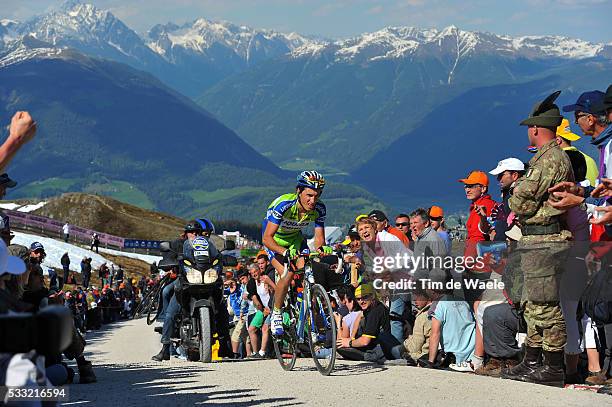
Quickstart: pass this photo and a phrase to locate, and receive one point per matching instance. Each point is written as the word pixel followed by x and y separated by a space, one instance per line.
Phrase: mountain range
pixel 363 110
pixel 107 128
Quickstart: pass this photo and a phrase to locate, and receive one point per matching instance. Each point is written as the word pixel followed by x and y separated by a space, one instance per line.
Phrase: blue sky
pixel 586 19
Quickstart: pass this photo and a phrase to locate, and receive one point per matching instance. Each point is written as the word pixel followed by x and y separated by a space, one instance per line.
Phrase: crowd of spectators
pixel 500 330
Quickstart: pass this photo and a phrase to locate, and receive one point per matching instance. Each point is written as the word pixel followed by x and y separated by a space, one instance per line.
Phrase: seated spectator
pixel 452 325
pixel 500 325
pixel 348 323
pixel 417 343
pixel 374 330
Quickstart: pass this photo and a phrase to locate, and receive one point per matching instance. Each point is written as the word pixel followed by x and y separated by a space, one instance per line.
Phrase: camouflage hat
pixel 545 113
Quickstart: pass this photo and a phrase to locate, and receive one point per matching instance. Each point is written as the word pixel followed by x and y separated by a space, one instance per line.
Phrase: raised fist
pixel 23 127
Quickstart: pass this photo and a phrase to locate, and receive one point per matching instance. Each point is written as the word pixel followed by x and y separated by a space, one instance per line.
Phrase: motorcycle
pixel 199 292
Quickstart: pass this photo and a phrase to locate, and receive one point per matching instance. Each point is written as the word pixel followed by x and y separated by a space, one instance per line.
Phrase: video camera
pixel 496 249
pixel 49 331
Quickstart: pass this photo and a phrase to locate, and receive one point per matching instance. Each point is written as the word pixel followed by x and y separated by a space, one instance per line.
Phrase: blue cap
pixel 586 102
pixel 37 246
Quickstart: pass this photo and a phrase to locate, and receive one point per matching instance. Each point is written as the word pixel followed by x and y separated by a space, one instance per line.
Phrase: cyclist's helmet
pixel 311 179
pixel 194 227
pixel 207 225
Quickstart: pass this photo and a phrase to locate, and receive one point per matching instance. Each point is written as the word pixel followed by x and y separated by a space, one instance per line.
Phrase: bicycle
pixel 300 310
pixel 150 302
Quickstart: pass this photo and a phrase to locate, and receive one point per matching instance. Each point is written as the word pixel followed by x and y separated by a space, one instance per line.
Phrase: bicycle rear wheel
pixel 143 307
pixel 285 346
pixel 322 330
pixel 154 306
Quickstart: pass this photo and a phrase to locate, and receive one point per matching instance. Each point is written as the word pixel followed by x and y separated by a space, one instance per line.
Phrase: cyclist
pixel 282 228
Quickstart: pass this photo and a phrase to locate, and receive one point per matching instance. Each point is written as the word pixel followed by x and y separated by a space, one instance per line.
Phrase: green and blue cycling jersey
pixel 283 211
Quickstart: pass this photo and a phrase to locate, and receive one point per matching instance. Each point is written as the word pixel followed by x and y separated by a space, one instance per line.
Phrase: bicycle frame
pixel 307 284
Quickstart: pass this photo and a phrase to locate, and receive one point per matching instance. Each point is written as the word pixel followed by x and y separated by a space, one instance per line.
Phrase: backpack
pixel 596 300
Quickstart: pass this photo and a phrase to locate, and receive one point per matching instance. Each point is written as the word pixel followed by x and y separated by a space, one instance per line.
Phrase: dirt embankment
pixel 108 215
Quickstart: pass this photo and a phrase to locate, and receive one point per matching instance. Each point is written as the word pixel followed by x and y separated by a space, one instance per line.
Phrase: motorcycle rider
pixel 202 253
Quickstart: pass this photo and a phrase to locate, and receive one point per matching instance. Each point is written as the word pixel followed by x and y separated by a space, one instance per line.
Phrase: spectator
pixel 35 289
pixel 65 261
pixel 353 258
pixel 427 243
pixel 120 274
pixel 417 343
pixel 478 229
pixel 349 323
pixel 374 329
pixel 5 182
pixel 95 242
pixel 476 190
pixel 21 130
pixel 265 267
pixel 5 229
pixel 259 288
pixel 86 271
pixel 594 123
pixel 507 172
pixel 436 217
pixel 500 325
pixel 66 231
pixel 565 136
pixel 382 244
pixel 382 224
pixel 452 325
pixel 402 223
pixel 71 279
pixel 240 307
pixel 103 274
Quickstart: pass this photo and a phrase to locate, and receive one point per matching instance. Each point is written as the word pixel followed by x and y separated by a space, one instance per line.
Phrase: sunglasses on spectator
pixel 364 298
pixel 436 219
pixel 470 186
pixel 578 116
pixel 399 224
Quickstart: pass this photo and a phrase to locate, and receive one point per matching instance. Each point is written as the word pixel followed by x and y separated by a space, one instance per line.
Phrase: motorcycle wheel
pixel 205 336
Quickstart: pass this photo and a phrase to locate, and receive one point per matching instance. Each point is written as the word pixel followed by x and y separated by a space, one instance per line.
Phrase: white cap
pixel 509 164
pixel 10 264
pixel 514 233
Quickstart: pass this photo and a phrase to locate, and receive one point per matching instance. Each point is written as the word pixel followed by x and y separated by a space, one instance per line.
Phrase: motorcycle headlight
pixel 210 276
pixel 193 276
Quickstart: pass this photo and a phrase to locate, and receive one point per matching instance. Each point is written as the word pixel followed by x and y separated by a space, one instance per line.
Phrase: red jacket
pixel 474 234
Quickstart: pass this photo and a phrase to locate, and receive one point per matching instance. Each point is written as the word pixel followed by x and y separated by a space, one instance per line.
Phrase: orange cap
pixel 436 212
pixel 476 177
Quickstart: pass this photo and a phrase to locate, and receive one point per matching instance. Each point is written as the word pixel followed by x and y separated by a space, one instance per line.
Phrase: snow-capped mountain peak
pixel 203 37
pixel 399 42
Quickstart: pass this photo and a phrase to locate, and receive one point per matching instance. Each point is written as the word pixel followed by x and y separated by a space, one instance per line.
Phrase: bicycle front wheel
pixel 322 329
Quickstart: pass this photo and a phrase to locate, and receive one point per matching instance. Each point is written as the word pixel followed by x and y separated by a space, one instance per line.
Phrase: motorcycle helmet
pixel 207 225
pixel 193 227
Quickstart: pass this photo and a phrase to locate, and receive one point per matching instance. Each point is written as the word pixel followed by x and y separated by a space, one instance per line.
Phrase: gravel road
pixel 127 377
